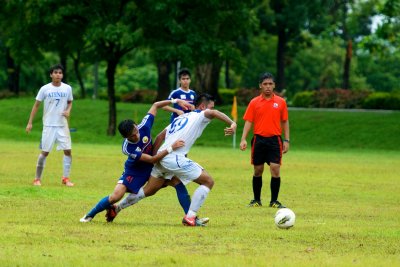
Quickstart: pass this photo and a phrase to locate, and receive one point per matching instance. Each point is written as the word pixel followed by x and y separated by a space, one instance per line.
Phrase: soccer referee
pixel 267 114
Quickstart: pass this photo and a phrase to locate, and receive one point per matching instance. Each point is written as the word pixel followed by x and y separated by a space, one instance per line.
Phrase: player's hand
pixel 243 145
pixel 180 112
pixel 28 128
pixel 177 144
pixel 65 114
pixel 184 105
pixel 230 130
pixel 285 147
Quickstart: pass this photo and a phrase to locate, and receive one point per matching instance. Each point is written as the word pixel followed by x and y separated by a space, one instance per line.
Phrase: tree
pixel 113 31
pixel 288 19
pixel 212 30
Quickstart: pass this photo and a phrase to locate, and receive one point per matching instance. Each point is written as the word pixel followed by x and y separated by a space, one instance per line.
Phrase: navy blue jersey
pixel 179 93
pixel 133 166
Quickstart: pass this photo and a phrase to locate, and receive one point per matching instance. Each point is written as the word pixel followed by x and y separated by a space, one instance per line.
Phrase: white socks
pixel 199 196
pixel 131 199
pixel 41 162
pixel 67 161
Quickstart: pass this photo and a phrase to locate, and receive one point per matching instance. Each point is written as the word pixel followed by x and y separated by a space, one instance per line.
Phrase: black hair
pixel 56 67
pixel 264 76
pixel 203 98
pixel 182 72
pixel 125 128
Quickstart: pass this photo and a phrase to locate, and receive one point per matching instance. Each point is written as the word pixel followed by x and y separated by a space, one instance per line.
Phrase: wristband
pixel 169 149
pixel 286 140
pixel 173 101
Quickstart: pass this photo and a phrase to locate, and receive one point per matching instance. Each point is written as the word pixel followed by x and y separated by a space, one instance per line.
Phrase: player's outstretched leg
pixel 103 204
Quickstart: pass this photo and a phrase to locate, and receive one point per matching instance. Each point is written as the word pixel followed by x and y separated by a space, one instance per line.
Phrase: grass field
pixel 347 207
pixel 340 177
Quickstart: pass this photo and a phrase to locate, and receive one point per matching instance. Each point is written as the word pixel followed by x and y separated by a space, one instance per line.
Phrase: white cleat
pixel 86 219
pixel 202 220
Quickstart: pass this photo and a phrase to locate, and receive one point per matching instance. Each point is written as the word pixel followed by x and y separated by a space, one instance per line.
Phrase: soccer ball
pixel 285 218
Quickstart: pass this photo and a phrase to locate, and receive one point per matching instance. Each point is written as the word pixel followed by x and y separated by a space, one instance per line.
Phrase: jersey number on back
pixel 178 124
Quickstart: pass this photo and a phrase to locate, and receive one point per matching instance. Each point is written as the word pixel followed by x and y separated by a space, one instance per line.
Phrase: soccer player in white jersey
pixel 187 127
pixel 57 98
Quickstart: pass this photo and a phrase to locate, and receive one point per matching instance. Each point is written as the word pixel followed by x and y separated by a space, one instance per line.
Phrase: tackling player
pixel 187 127
pixel 138 146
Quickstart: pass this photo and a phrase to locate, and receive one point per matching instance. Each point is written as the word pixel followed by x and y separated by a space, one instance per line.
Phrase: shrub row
pixel 341 98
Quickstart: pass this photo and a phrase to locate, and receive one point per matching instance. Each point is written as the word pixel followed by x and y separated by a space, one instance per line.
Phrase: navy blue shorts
pixel 133 183
pixel 266 150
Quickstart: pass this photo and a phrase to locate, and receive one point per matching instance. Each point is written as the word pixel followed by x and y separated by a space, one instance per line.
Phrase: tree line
pixel 308 45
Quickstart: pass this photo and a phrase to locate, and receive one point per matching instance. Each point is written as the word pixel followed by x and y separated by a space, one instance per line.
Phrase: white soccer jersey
pixel 55 100
pixel 187 127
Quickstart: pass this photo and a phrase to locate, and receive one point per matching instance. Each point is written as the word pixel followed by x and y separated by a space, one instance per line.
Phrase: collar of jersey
pixel 197 110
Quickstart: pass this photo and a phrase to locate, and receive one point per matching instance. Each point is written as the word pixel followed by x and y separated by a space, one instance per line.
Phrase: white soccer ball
pixel 285 218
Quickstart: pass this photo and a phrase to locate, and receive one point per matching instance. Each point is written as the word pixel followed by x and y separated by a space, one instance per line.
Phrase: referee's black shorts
pixel 266 150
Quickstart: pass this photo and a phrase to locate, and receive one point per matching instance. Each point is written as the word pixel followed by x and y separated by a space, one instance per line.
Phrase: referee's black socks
pixel 257 185
pixel 275 185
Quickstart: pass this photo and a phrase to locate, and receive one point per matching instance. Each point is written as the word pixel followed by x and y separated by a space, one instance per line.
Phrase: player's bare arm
pixel 35 108
pixel 246 130
pixel 160 104
pixel 67 112
pixel 286 144
pixel 171 109
pixel 213 113
pixel 156 158
pixel 159 140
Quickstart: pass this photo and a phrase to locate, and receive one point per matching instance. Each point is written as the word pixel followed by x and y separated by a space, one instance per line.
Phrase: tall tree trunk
pixel 63 62
pixel 79 77
pixel 227 78
pixel 13 71
pixel 347 63
pixel 164 83
pixel 207 79
pixel 280 60
pixel 96 79
pixel 112 110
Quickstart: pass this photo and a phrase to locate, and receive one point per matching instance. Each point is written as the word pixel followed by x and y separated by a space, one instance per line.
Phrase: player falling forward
pixel 138 146
pixel 187 127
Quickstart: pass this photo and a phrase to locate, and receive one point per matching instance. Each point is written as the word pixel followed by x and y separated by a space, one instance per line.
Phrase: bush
pixel 304 99
pixel 227 95
pixel 140 96
pixel 245 95
pixel 381 100
pixel 103 95
pixel 331 98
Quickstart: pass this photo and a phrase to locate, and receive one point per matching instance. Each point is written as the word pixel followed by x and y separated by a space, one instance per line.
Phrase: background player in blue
pixel 138 146
pixel 183 92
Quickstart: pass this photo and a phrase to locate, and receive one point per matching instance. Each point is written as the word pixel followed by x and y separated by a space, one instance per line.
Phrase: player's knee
pixel 209 182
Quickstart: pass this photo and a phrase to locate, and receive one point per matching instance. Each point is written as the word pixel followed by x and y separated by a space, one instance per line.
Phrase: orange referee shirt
pixel 267 115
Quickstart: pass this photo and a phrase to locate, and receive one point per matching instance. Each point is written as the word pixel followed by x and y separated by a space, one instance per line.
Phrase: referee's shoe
pixel 255 203
pixel 276 204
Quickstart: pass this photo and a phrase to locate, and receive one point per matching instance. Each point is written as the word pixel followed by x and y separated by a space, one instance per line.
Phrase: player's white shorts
pixel 54 134
pixel 177 165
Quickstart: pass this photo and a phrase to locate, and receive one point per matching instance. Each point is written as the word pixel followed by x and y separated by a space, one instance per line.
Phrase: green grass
pixel 313 130
pixel 347 207
pixel 340 177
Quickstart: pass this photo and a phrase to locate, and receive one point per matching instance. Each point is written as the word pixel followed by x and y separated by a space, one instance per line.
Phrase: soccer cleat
pixel 192 221
pixel 203 221
pixel 276 204
pixel 111 213
pixel 37 182
pixel 255 203
pixel 67 182
pixel 86 219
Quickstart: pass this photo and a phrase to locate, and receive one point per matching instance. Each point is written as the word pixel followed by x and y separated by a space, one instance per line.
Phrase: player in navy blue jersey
pixel 183 92
pixel 188 127
pixel 138 146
